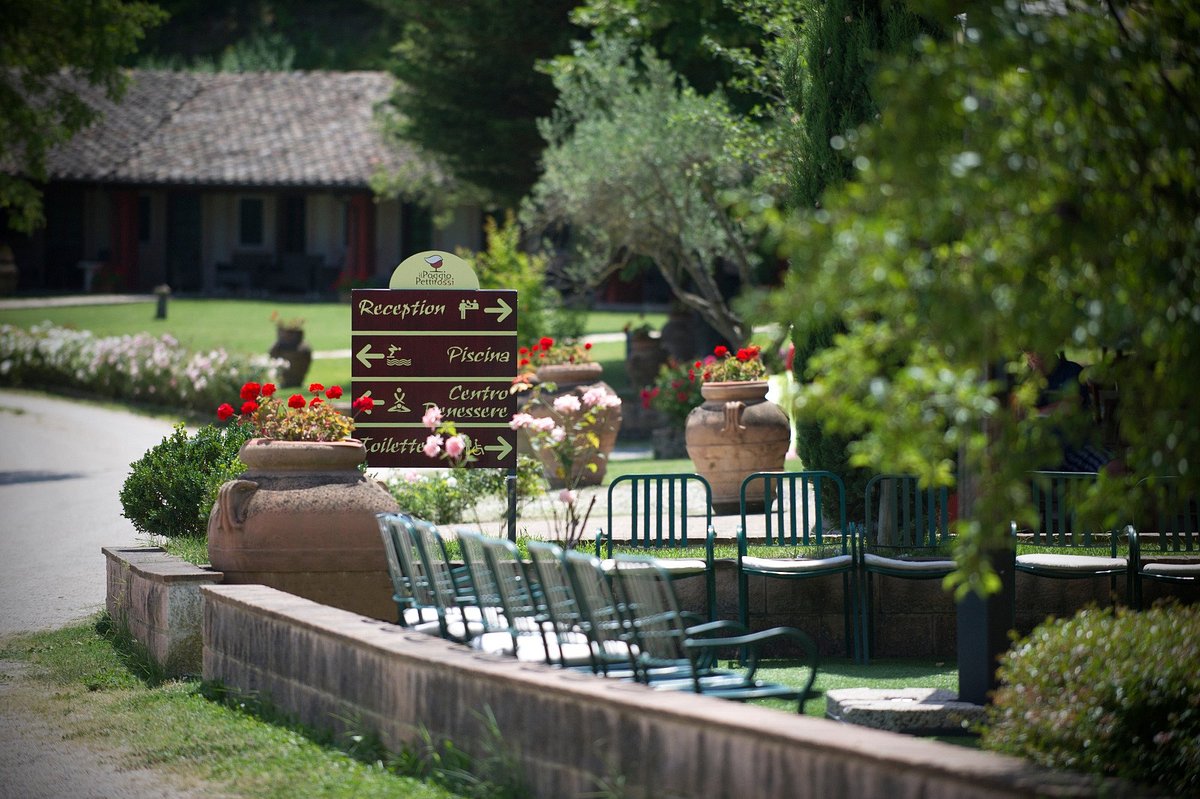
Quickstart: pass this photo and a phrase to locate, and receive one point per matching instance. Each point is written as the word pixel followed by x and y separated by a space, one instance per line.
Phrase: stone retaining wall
pixel 330 668
pixel 157 597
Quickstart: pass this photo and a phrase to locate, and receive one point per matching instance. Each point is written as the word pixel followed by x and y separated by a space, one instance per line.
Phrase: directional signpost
pixel 434 338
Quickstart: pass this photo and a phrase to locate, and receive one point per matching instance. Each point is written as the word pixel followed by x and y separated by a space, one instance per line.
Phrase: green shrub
pixel 449 496
pixel 171 489
pixel 1116 694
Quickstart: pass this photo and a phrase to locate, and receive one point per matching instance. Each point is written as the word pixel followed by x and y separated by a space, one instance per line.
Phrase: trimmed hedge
pixel 171 489
pixel 1109 693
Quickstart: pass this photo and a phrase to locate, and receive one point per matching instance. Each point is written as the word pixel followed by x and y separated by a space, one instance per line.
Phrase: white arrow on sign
pixel 365 356
pixel 502 309
pixel 503 448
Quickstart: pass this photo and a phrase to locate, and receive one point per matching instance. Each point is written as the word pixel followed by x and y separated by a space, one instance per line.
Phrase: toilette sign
pixel 434 338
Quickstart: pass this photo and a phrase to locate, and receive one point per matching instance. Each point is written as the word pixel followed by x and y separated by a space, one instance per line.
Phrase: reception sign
pixel 429 340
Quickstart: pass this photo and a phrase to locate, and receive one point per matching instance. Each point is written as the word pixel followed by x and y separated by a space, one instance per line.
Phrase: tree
pixel 640 166
pixel 470 91
pixel 47 45
pixel 1058 211
pixel 840 44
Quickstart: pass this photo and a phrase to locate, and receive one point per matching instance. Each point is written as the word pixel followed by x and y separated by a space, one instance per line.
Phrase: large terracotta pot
pixel 301 519
pixel 577 378
pixel 735 433
pixel 290 346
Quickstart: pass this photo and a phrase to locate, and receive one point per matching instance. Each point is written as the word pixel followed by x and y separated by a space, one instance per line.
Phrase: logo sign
pixel 419 344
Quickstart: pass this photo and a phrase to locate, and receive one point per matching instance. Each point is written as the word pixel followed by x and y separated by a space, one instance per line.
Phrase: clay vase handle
pixel 232 499
pixel 733 416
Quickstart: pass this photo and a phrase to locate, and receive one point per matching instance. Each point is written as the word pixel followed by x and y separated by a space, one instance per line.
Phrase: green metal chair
pixel 905 537
pixel 672 654
pixel 1172 521
pixel 793 518
pixel 663 509
pixel 532 635
pixel 599 617
pixel 1062 535
pixel 430 596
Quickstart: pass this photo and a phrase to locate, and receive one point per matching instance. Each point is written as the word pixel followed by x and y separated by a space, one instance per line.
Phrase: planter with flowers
pixel 673 395
pixel 301 518
pixel 737 431
pixel 551 372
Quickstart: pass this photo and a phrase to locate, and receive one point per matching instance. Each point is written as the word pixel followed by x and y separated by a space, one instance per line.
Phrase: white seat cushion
pixel 797 565
pixel 914 566
pixel 1172 568
pixel 675 567
pixel 1071 564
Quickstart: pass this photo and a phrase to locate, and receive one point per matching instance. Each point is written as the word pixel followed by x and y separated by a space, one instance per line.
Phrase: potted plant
pixel 673 394
pixel 551 370
pixel 736 431
pixel 290 346
pixel 301 518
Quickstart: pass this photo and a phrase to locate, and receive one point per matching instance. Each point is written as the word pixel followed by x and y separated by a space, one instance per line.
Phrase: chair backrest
pixel 600 615
pixel 484 582
pixel 793 512
pixel 1171 513
pixel 900 513
pixel 439 576
pixel 660 509
pixel 555 594
pixel 656 626
pixel 396 539
pixel 522 613
pixel 1056 497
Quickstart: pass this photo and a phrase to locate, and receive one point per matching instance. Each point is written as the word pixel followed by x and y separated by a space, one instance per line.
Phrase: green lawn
pixel 245 327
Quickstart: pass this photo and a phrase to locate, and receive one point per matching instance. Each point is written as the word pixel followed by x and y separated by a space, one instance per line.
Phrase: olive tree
pixel 640 166
pixel 1031 185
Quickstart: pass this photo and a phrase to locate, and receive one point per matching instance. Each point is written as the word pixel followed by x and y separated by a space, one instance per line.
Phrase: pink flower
pixel 432 417
pixel 593 396
pixel 520 420
pixel 567 403
pixel 566 496
pixel 433 446
pixel 557 435
pixel 455 446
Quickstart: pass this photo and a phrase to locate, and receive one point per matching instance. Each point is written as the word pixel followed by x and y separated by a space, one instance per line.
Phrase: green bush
pixel 1116 694
pixel 171 489
pixel 449 496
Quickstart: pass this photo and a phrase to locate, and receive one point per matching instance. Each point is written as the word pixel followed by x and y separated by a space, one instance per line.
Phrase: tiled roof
pixel 312 129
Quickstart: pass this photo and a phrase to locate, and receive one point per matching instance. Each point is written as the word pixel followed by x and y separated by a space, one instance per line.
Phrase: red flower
pixel 333 392
pixel 250 391
pixel 523 351
pixel 314 402
pixel 296 401
pixel 546 342
pixel 224 411
pixel 268 389
pixel 744 355
pixel 523 362
pixel 249 407
pixel 681 396
pixel 363 403
pixel 587 345
pixel 720 350
pixel 315 388
pixel 697 364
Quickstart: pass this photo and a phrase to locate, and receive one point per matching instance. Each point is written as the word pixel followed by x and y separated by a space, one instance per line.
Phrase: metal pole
pixel 511 484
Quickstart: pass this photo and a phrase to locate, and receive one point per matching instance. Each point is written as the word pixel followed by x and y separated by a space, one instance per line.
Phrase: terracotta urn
pixel 301 518
pixel 735 433
pixel 291 347
pixel 577 378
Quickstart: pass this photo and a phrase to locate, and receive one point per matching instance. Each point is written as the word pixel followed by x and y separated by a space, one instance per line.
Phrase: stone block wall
pixel 157 597
pixel 569 730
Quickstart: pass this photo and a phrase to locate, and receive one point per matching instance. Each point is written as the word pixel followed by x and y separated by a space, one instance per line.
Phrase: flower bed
pixel 141 368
